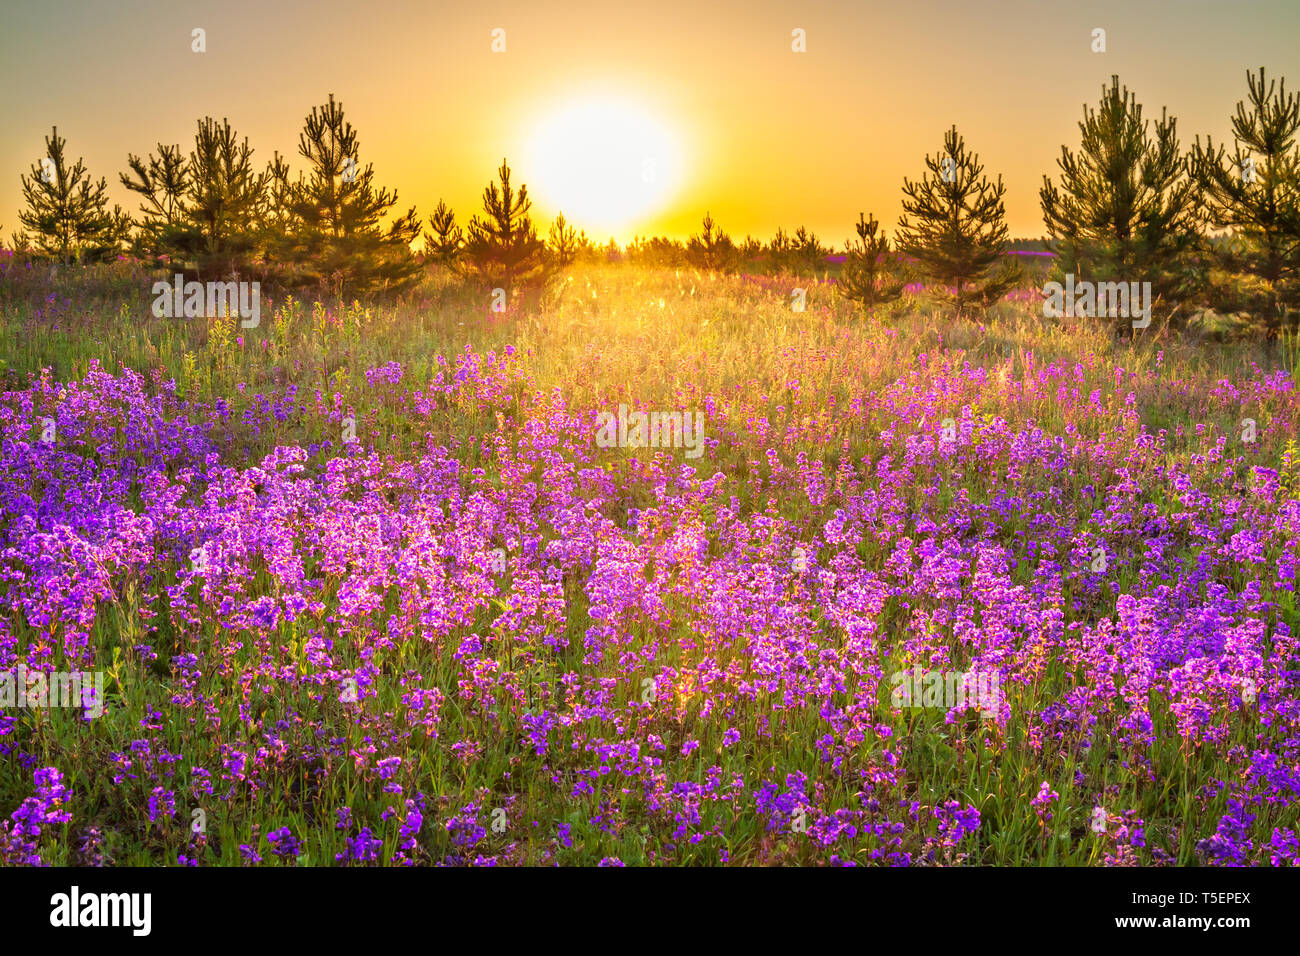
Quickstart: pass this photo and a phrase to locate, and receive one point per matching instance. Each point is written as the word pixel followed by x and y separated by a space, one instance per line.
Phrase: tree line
pixel 1207 226
pixel 214 213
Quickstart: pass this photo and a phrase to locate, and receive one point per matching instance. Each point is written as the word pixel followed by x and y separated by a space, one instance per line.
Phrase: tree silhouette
pixel 222 200
pixel 335 214
pixel 866 277
pixel 807 251
pixel 957 228
pixel 162 183
pixel 712 248
pixel 1258 199
pixel 445 241
pixel 779 251
pixel 66 212
pixel 1126 207
pixel 563 243
pixel 276 207
pixel 503 245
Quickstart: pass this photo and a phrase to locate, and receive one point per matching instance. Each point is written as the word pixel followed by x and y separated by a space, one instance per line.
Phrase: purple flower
pixel 284 844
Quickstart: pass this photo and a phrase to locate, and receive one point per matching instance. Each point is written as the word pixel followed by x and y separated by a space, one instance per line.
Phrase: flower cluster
pixel 384 646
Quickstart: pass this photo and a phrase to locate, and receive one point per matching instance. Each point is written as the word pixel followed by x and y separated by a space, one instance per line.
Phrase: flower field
pixel 364 589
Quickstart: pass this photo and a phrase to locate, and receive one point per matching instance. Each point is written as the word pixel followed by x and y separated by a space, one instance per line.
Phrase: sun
pixel 605 163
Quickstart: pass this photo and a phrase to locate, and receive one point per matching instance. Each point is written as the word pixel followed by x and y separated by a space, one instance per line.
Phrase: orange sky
pixel 770 137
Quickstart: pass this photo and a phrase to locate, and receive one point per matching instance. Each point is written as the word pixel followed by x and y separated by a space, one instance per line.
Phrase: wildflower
pixel 284 844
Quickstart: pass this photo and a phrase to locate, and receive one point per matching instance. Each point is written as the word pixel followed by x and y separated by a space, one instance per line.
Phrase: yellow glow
pixel 605 163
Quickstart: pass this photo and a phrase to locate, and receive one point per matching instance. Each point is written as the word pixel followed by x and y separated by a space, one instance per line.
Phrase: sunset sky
pixel 737 122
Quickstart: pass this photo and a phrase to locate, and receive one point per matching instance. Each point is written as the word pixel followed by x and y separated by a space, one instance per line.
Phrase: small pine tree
pixel 337 211
pixel 807 251
pixel 503 246
pixel 957 228
pixel 779 251
pixel 1258 199
pixel 67 213
pixel 866 277
pixel 1126 207
pixel 219 228
pixel 445 241
pixel 712 249
pixel 276 208
pixel 162 183
pixel 562 243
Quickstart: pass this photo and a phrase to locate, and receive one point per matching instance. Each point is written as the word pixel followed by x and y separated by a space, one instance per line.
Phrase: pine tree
pixel 445 242
pixel 162 182
pixel 866 277
pixel 586 250
pixel 219 228
pixel 1126 207
pixel 1259 199
pixel 807 251
pixel 336 212
pixel 66 212
pixel 712 249
pixel 563 242
pixel 275 211
pixel 958 227
pixel 503 246
pixel 779 251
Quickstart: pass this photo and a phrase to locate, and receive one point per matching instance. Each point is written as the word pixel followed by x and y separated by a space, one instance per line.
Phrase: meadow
pixel 365 590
